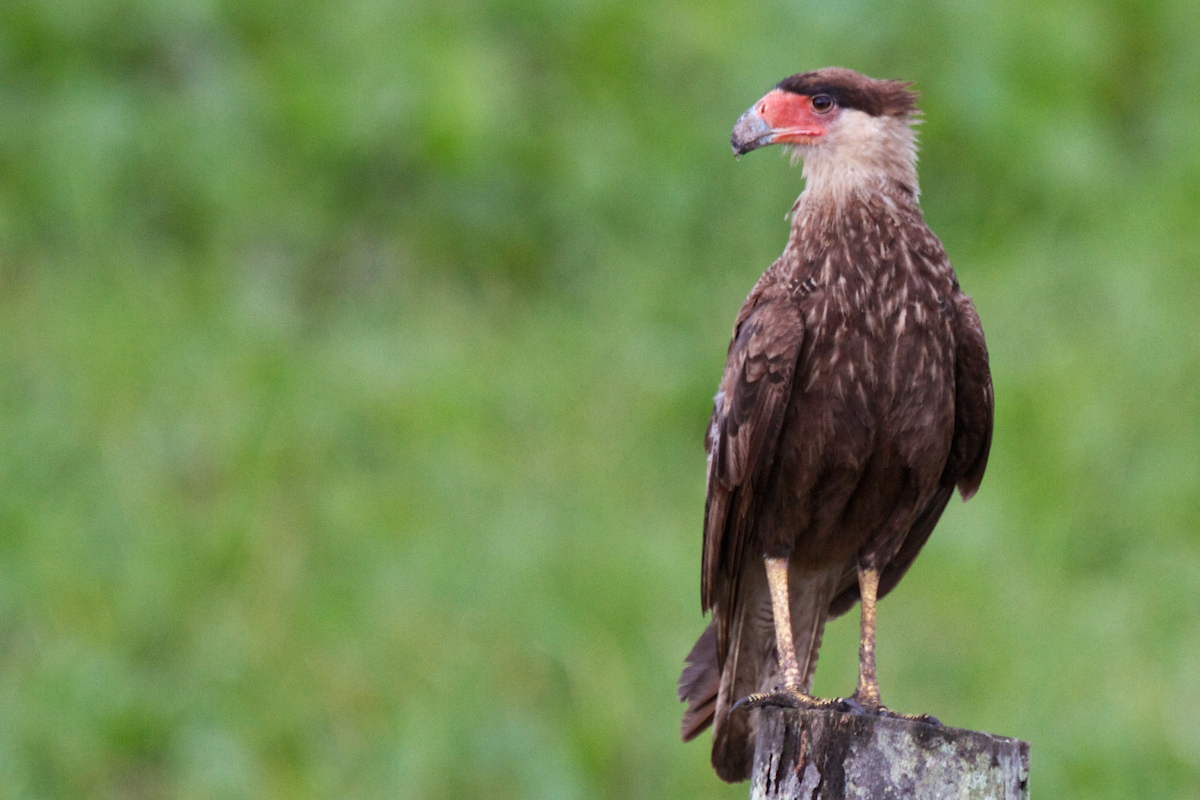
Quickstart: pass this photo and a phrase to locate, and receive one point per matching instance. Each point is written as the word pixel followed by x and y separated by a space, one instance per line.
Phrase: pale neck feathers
pixel 860 154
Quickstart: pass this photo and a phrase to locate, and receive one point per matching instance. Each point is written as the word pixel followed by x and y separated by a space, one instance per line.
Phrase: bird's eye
pixel 822 104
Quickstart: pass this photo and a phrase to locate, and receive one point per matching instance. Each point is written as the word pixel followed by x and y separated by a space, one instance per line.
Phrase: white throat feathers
pixel 861 153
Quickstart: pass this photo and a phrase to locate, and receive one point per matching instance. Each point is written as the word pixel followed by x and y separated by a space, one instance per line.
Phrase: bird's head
pixel 846 126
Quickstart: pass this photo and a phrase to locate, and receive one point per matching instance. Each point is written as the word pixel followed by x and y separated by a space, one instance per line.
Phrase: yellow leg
pixel 866 696
pixel 781 608
pixel 867 693
pixel 789 695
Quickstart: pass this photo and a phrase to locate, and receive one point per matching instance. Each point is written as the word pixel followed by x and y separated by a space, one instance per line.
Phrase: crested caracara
pixel 856 396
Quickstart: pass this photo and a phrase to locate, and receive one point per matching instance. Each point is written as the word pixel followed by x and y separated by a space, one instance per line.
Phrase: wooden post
pixel 828 755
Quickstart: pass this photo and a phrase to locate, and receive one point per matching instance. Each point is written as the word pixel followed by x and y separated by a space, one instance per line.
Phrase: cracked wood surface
pixel 828 755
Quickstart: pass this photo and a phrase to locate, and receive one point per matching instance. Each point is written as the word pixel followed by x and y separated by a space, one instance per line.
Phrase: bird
pixel 856 396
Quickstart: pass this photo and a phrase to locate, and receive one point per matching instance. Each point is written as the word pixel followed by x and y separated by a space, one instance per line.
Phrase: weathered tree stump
pixel 827 755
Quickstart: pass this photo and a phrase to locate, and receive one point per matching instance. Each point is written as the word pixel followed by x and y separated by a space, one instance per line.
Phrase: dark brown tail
pixel 710 686
pixel 699 683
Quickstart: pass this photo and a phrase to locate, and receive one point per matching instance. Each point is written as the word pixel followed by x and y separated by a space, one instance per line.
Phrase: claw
pixel 928 719
pixel 848 705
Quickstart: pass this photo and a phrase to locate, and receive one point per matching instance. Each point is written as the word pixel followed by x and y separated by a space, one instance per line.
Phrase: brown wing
pixel 969 447
pixel 973 402
pixel 747 417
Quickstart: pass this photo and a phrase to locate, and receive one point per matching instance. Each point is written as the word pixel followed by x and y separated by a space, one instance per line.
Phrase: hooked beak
pixel 750 132
pixel 778 118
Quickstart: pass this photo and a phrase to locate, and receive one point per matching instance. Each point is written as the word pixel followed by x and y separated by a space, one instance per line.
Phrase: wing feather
pixel 747 418
pixel 973 402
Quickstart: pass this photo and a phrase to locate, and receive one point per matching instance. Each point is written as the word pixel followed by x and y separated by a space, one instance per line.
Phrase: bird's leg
pixel 866 696
pixel 867 693
pixel 790 694
pixel 781 611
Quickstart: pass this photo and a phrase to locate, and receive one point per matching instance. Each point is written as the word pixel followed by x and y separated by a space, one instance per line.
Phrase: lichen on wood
pixel 828 755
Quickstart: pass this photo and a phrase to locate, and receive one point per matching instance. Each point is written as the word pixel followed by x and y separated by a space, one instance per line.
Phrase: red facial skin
pixel 792 118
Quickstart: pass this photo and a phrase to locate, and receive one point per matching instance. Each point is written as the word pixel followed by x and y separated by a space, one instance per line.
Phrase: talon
pixel 928 719
pixel 848 705
pixel 749 701
pixel 867 707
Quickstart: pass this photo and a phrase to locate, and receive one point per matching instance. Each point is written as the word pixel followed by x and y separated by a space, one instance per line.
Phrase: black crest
pixel 849 89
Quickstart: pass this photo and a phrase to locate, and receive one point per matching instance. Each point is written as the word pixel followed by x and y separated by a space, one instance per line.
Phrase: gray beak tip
pixel 749 133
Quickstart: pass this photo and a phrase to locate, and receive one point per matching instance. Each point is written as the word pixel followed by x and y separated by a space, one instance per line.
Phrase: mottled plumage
pixel 856 396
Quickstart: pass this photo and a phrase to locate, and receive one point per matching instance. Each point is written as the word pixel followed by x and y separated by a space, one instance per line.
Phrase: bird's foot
pixel 872 707
pixel 850 705
pixel 783 697
pixel 927 719
pixel 791 697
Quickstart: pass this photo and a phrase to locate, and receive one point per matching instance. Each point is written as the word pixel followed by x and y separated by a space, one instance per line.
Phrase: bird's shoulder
pixel 767 332
pixel 786 285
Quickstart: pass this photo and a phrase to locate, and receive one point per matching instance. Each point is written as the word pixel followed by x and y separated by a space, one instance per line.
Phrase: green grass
pixel 355 360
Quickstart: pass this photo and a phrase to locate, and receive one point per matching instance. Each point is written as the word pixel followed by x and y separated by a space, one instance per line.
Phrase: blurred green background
pixel 355 360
